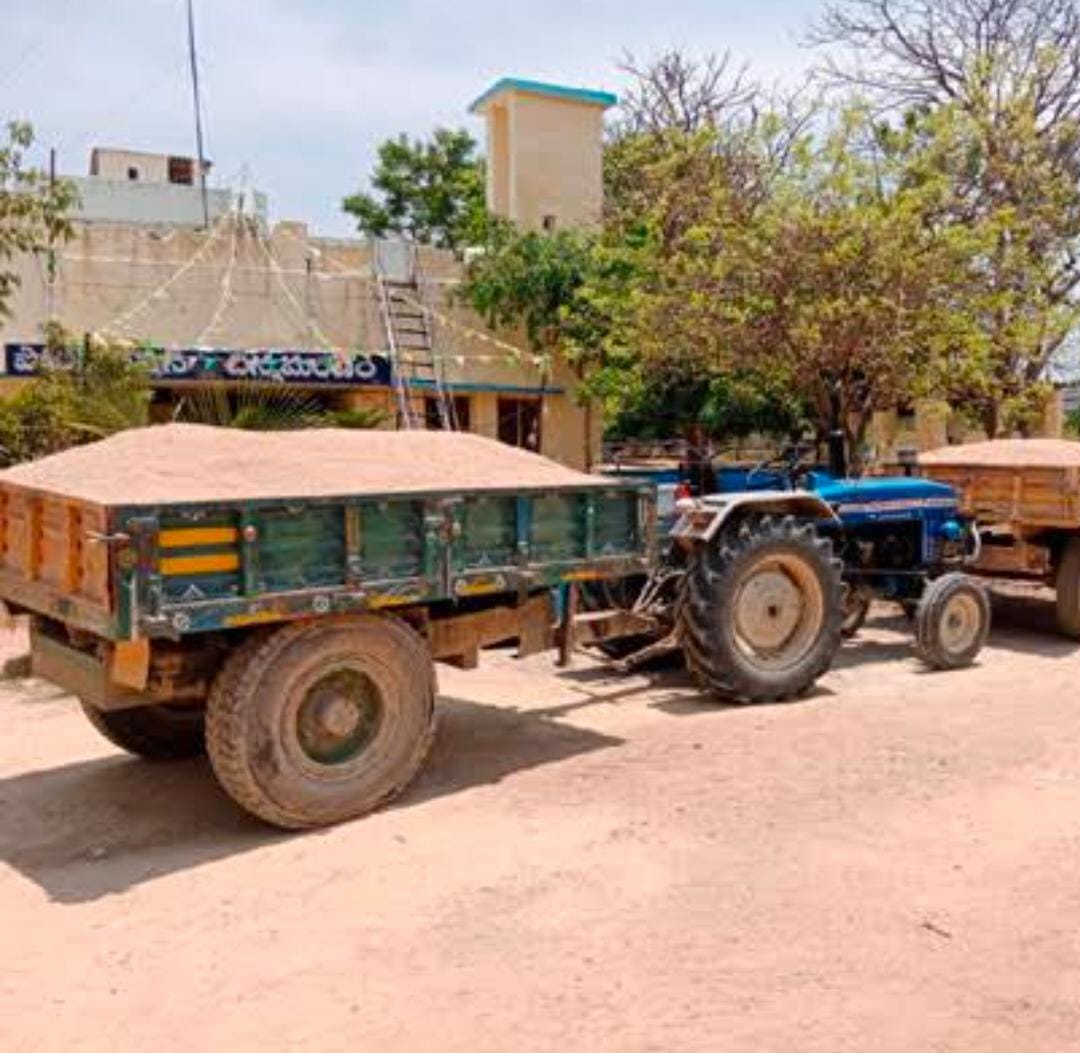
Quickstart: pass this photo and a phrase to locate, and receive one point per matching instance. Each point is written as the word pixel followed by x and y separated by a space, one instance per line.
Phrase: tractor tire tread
pixel 928 644
pixel 707 661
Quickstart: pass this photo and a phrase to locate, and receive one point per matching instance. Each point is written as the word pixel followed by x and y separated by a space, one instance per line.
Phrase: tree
pixel 688 128
pixel 530 279
pixel 836 285
pixel 430 192
pixel 86 393
pixel 992 88
pixel 33 209
pixel 674 92
pixel 925 53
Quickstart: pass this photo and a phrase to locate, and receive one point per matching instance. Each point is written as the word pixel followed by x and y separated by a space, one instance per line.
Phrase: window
pixel 519 423
pixel 462 408
pixel 181 171
pixel 133 174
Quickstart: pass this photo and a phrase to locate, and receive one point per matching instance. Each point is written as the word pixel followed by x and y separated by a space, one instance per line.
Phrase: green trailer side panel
pixel 489 533
pixel 391 540
pixel 558 528
pixel 615 524
pixel 210 567
pixel 300 548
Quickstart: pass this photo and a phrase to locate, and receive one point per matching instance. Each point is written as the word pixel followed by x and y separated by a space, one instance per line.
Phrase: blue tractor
pixel 900 539
pixel 764 577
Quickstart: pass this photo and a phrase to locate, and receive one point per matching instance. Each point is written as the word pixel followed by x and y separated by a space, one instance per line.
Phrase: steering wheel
pixel 791 462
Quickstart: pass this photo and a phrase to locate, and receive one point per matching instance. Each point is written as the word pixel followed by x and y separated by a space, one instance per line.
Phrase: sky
pixel 299 93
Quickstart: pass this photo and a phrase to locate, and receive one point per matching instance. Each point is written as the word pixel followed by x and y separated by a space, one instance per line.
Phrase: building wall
pixel 557 161
pixel 110 163
pixel 233 287
pixel 157 203
pixel 116 164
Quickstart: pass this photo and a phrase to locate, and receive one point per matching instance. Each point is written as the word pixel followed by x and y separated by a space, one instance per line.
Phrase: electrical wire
pixel 226 298
pixel 120 324
pixel 309 323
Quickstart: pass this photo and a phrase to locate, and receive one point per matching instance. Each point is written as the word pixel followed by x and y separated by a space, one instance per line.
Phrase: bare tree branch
pixel 673 92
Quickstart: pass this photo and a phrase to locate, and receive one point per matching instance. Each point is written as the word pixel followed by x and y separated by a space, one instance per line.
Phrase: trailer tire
pixel 159 733
pixel 1067 603
pixel 952 622
pixel 322 721
pixel 761 612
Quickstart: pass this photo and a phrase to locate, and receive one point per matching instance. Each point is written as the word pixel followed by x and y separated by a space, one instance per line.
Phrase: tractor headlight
pixel 951 530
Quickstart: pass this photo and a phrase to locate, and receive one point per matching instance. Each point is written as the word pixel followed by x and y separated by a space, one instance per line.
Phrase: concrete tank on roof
pixel 545 152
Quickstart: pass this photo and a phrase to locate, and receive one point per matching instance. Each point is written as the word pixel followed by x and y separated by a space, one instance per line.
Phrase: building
pixel 352 323
pixel 545 149
pixel 130 186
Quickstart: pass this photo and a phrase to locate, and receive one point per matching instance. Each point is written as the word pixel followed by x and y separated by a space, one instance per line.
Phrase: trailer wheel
pixel 1068 590
pixel 762 611
pixel 952 622
pixel 162 732
pixel 322 721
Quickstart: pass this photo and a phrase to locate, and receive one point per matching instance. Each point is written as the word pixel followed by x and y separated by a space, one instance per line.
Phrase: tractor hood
pixel 898 496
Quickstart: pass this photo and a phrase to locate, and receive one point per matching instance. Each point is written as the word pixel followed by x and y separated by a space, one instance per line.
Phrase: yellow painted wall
pixel 545 159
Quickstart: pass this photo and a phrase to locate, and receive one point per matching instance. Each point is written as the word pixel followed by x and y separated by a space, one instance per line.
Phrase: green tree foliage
pixel 993 89
pixel 97 391
pixel 256 407
pixel 925 243
pixel 429 191
pixel 831 283
pixel 33 210
pixel 658 404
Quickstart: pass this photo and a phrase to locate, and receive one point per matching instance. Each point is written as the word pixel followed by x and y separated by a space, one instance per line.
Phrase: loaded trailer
pixel 280 599
pixel 1024 496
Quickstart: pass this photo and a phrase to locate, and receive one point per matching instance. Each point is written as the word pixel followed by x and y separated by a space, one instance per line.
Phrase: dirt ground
pixel 589 863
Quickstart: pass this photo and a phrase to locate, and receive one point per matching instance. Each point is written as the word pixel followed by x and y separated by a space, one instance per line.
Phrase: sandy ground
pixel 589 863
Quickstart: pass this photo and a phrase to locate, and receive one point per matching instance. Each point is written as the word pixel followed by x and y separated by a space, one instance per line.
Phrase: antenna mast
pixel 193 55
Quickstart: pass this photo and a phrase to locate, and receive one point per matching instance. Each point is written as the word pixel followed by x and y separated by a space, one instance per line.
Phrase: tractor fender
pixel 700 519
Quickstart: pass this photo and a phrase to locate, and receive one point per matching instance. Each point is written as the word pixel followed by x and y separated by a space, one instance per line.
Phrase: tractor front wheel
pixel 952 622
pixel 762 611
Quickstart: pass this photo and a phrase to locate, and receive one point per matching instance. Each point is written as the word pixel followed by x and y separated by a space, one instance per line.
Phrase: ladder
pixel 410 338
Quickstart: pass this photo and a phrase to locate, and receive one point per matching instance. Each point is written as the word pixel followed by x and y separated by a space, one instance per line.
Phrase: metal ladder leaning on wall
pixel 410 335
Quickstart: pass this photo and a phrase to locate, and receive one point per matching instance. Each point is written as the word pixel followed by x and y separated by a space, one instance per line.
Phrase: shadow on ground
pixel 603 685
pixel 1027 623
pixel 100 827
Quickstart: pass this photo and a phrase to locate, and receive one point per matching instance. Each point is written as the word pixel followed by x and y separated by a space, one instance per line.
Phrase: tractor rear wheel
pixel 1068 590
pixel 762 611
pixel 952 622
pixel 322 721
pixel 161 732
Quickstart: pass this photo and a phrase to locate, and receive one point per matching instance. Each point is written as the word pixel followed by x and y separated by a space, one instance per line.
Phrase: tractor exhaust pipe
pixel 837 454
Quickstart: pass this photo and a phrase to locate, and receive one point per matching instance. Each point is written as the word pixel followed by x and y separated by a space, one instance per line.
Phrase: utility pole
pixel 193 55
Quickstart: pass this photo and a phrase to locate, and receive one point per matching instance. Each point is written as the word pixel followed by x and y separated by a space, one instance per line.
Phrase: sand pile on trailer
pixel 192 462
pixel 1006 453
